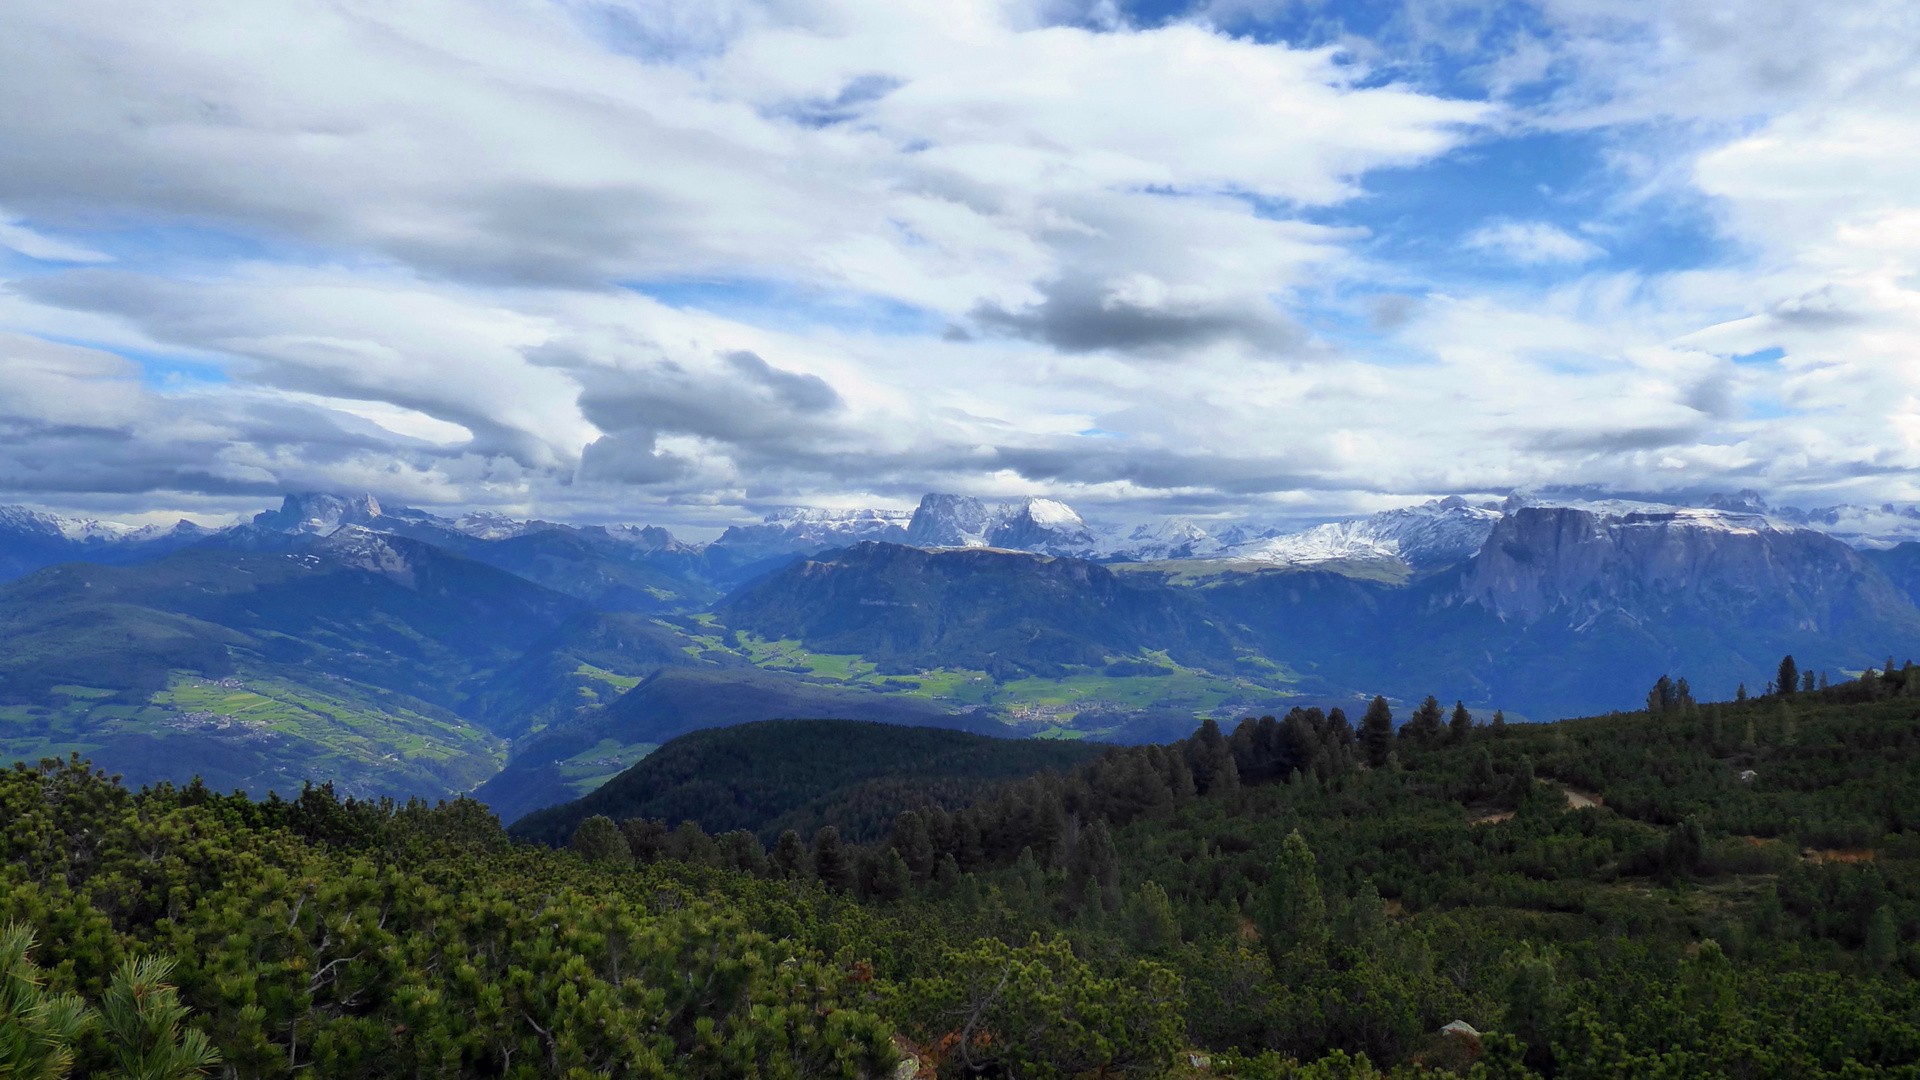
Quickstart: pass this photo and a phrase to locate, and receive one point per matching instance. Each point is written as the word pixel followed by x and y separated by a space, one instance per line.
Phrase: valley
pixel 396 653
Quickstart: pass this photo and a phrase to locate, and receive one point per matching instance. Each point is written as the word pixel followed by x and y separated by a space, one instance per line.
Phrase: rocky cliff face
pixel 943 521
pixel 1043 526
pixel 1577 564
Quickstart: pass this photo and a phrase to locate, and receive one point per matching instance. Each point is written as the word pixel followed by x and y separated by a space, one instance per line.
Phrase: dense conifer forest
pixel 1695 890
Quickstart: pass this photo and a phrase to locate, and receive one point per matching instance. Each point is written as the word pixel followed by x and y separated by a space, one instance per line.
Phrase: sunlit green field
pixel 608 758
pixel 277 730
pixel 1050 707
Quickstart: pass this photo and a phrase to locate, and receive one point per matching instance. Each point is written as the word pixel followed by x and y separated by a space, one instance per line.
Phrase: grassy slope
pixel 341 673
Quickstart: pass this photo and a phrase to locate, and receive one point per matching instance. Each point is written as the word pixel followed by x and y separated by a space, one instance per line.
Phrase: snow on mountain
pixel 1174 538
pixel 366 549
pixel 1583 560
pixel 18 521
pixel 1871 527
pixel 802 531
pixel 1434 533
pixel 1043 526
pixel 951 521
pixel 487 525
pixel 643 537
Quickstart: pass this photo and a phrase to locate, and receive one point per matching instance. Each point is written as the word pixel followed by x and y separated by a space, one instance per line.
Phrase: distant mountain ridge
pixel 1410 540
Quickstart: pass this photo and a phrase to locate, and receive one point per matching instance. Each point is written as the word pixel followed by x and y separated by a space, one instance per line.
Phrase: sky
pixel 684 261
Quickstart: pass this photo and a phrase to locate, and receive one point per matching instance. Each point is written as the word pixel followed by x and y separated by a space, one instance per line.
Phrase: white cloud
pixel 440 204
pixel 34 245
pixel 1532 242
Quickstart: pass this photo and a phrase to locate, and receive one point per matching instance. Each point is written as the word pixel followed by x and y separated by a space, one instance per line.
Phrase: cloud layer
pixel 680 262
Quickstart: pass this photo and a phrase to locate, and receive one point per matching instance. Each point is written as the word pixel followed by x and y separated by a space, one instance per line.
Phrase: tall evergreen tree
pixel 831 862
pixel 1788 680
pixel 1208 756
pixel 1094 873
pixel 1499 723
pixel 790 859
pixel 1423 726
pixel 1293 915
pixel 1376 732
pixel 1461 725
pixel 911 839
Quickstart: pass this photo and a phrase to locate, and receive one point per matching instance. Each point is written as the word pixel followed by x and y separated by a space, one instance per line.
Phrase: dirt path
pixel 1580 800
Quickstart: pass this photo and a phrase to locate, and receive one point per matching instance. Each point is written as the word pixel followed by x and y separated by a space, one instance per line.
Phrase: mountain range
pixel 395 651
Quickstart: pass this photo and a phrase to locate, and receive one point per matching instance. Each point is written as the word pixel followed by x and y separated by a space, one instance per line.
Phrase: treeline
pixel 1050 818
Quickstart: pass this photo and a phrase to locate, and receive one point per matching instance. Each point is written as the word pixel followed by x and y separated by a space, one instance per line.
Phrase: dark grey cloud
pixel 631 457
pixel 1080 315
pixel 1714 396
pixel 1825 308
pixel 1391 311
pixel 848 104
pixel 802 393
pixel 1623 440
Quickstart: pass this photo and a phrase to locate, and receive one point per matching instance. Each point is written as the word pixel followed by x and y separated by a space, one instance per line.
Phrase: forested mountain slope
pixel 779 774
pixel 549 765
pixel 1006 613
pixel 1702 890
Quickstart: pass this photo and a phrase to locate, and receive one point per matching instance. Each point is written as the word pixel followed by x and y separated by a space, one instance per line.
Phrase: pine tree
pixel 831 863
pixel 37 1027
pixel 911 839
pixel 1533 1001
pixel 1499 724
pixel 1480 774
pixel 790 859
pixel 1376 732
pixel 1740 694
pixel 1293 915
pixel 598 839
pixel 891 877
pixel 1423 726
pixel 1789 678
pixel 1883 940
pixel 1156 930
pixel 1208 755
pixel 1461 725
pixel 1806 682
pixel 1339 728
pixel 142 1017
pixel 741 850
pixel 1662 697
pixel 646 838
pixel 1094 873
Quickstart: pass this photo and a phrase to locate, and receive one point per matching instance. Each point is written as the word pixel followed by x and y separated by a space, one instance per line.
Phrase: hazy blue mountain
pixel 1002 612
pixel 30 540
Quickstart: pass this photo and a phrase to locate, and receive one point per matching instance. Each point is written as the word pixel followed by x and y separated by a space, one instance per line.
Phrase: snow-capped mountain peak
pixel 1434 533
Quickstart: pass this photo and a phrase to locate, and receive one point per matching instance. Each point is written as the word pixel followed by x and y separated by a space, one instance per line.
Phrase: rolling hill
pixel 775 775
